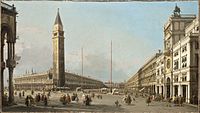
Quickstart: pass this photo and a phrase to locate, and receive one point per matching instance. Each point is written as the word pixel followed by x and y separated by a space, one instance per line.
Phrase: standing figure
pixel 45 100
pixel 32 92
pixel 23 93
pixel 68 99
pixel 148 100
pixel 180 100
pixel 20 94
pixel 27 101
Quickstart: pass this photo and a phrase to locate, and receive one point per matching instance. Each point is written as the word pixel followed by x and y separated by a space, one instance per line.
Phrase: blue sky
pixel 135 28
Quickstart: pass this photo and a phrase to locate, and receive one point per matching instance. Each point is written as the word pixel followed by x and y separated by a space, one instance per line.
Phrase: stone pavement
pixel 99 105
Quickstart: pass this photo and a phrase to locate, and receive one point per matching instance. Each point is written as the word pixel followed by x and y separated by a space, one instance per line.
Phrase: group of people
pixel 86 99
pixel 21 94
pixel 41 97
pixel 127 99
pixel 66 99
pixel 178 100
pixel 29 101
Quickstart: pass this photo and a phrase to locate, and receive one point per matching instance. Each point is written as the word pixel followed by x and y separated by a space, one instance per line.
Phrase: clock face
pixel 168 63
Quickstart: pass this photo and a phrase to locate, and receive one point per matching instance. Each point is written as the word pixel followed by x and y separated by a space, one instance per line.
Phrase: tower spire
pixel 58 20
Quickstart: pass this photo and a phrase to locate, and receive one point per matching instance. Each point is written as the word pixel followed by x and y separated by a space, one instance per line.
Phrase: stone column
pixel 2 79
pixel 11 64
pixel 188 93
pixel 173 92
pixel 156 89
pixel 11 88
pixel 171 86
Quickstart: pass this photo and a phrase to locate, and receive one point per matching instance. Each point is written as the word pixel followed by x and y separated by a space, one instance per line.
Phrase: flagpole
pixel 81 66
pixel 82 60
pixel 111 69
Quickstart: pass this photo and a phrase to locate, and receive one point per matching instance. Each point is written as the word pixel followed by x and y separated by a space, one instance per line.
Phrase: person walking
pixel 32 92
pixel 23 93
pixel 68 99
pixel 27 101
pixel 148 100
pixel 20 94
pixel 45 100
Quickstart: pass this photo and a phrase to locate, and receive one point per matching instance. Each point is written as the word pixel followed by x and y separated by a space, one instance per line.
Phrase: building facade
pixel 177 67
pixel 133 83
pixel 147 75
pixel 185 63
pixel 159 89
pixel 174 31
pixel 145 79
pixel 45 81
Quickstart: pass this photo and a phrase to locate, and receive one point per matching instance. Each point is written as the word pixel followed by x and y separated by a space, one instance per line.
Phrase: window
pixel 55 34
pixel 158 72
pixel 176 53
pixel 184 48
pixel 162 70
pixel 175 64
pixel 184 61
pixel 184 65
pixel 176 78
pixel 184 78
pixel 168 63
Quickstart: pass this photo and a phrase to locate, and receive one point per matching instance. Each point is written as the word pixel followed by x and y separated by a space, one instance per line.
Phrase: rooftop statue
pixel 177 11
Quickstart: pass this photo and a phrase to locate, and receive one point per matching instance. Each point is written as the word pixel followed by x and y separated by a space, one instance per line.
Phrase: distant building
pixel 115 85
pixel 45 81
pixel 56 77
pixel 133 83
pixel 145 79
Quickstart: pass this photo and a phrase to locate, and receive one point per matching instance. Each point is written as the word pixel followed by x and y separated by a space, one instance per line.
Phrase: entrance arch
pixel 168 87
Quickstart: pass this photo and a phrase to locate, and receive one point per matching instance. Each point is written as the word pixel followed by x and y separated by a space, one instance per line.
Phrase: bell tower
pixel 58 53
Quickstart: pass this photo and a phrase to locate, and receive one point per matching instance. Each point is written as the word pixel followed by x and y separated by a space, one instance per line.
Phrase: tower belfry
pixel 58 52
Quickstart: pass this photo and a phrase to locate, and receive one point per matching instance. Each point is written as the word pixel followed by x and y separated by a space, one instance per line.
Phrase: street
pixel 106 104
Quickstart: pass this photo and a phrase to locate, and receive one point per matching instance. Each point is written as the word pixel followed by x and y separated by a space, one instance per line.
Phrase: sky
pixel 135 28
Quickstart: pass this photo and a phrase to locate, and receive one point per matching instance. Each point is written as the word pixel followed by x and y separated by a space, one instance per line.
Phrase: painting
pixel 99 56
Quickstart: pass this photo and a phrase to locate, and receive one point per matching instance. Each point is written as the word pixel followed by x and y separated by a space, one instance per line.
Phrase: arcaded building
pixel 176 69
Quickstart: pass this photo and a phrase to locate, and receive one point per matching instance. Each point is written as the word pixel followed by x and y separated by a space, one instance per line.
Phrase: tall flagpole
pixel 81 66
pixel 82 60
pixel 111 69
